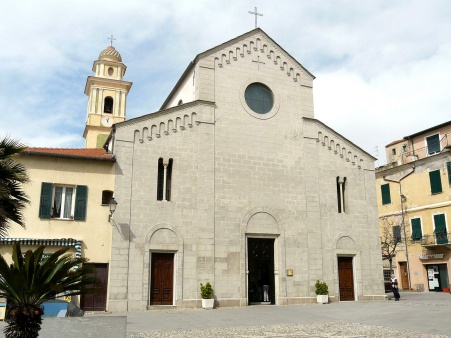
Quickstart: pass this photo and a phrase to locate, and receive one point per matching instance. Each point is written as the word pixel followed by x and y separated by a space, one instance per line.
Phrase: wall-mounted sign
pixel 290 272
pixel 432 256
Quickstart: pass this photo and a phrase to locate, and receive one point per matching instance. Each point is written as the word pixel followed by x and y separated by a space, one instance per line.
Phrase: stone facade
pixel 238 175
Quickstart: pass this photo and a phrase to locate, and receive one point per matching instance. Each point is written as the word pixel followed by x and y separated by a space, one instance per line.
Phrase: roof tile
pixel 87 153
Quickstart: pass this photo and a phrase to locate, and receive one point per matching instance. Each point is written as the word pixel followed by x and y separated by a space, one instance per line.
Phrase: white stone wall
pixel 236 175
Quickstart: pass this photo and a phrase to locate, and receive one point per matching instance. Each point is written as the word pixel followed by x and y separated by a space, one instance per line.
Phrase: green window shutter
pixel 385 191
pixel 448 168
pixel 440 229
pixel 81 198
pixel 416 229
pixel 436 183
pixel 439 223
pixel 45 206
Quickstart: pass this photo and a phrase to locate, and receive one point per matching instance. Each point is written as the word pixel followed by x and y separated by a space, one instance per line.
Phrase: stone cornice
pixel 170 121
pixel 336 143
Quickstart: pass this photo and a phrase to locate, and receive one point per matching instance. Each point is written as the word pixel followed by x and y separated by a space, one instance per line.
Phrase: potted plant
pixel 206 292
pixel 322 292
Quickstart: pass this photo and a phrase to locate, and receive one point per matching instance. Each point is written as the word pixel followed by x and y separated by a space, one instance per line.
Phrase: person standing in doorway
pixel 394 287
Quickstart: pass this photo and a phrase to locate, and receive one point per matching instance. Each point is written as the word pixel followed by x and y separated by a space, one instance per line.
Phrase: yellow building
pixel 71 189
pixel 414 201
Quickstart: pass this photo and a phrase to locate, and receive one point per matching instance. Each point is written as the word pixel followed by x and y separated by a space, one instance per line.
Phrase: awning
pixel 47 242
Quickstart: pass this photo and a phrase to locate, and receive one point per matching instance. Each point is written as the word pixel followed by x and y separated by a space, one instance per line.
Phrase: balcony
pixel 436 240
pixel 411 155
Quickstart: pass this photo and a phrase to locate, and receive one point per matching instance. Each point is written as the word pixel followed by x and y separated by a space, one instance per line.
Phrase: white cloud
pixel 381 67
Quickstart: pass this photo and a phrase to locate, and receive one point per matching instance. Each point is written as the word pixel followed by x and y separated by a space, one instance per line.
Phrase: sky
pixel 382 68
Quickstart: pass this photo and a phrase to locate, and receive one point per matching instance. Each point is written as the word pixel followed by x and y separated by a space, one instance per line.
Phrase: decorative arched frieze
pixel 218 62
pixel 320 137
pixel 153 132
pixel 159 128
pixel 336 143
pixel 258 44
pixel 284 66
pixel 271 54
pixel 251 47
pixel 145 133
pixel 137 136
pixel 237 52
pixel 244 50
pixel 343 152
pixel 230 56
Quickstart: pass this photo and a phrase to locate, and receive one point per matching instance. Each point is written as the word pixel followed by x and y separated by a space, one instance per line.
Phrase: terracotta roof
pixel 394 142
pixel 83 153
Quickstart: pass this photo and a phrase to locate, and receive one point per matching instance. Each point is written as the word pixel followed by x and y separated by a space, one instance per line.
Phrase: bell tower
pixel 107 97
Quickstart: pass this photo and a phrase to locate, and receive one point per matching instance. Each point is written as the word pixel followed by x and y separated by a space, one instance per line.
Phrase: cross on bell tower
pixel 111 38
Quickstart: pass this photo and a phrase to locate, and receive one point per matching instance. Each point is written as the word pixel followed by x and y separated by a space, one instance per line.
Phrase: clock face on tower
pixel 107 121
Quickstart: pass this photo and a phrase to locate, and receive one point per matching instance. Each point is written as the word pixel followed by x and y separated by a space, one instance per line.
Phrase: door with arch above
pixel 162 279
pixel 346 279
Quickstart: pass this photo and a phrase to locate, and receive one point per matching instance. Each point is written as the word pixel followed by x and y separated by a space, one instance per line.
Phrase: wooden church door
pixel 345 278
pixel 162 279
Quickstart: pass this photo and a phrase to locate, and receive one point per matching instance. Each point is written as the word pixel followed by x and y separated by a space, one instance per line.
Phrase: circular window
pixel 110 71
pixel 259 98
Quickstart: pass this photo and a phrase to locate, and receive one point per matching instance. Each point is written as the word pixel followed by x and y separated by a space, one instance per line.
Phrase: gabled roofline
pixel 352 143
pixel 221 46
pixel 161 112
pixel 187 70
pixel 427 130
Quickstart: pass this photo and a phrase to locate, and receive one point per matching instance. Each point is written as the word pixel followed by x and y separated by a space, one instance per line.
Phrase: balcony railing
pixel 410 155
pixel 443 238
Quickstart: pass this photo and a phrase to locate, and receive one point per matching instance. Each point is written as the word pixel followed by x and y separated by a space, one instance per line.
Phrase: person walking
pixel 394 287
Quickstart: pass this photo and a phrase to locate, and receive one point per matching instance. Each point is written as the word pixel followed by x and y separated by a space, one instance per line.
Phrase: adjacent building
pixel 414 197
pixel 71 189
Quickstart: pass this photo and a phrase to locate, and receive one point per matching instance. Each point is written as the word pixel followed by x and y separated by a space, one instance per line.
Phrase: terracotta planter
pixel 208 303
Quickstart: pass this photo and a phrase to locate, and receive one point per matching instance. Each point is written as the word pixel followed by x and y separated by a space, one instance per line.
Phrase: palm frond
pixel 12 176
pixel 33 279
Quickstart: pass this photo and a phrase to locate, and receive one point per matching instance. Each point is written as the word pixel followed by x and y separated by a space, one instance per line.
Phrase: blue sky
pixel 382 67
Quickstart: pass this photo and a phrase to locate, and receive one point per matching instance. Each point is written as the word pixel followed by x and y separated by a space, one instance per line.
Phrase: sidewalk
pixel 416 315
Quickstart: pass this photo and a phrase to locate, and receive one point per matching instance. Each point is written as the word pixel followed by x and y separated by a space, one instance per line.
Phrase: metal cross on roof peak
pixel 256 14
pixel 111 38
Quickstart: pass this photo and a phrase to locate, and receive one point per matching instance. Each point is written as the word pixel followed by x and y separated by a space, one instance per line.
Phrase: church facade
pixel 234 182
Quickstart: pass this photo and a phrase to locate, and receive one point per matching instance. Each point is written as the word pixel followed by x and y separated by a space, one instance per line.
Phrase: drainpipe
pixel 411 142
pixel 403 225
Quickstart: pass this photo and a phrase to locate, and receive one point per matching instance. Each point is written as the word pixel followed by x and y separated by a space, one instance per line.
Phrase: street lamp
pixel 403 224
pixel 113 205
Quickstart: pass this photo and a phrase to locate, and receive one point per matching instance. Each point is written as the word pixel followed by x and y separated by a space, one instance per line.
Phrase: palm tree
pixel 12 175
pixel 32 279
